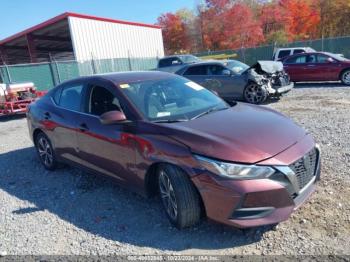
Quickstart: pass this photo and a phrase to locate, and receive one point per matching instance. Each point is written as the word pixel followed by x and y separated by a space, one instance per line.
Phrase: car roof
pixel 310 53
pixel 125 77
pixel 171 56
pixel 290 48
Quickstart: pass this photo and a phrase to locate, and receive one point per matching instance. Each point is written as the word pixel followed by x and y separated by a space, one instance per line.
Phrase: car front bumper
pixel 279 90
pixel 251 203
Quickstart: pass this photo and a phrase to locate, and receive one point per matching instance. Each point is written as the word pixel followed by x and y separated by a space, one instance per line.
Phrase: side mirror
pixel 112 117
pixel 226 72
pixel 330 60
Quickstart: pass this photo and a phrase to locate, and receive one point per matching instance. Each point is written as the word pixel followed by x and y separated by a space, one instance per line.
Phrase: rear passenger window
pixel 196 70
pixel 296 60
pixel 71 97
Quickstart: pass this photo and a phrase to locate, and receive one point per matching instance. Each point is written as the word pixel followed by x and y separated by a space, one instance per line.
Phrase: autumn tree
pixel 174 33
pixel 302 19
pixel 273 23
pixel 334 17
pixel 228 25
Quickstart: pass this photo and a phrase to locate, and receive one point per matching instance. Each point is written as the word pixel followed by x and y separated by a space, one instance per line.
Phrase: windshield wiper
pixel 169 120
pixel 213 109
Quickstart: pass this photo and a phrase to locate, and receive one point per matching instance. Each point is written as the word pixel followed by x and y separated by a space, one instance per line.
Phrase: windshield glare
pixel 236 66
pixel 173 98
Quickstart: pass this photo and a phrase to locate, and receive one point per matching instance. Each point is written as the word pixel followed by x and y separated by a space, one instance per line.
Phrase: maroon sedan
pixel 317 66
pixel 158 133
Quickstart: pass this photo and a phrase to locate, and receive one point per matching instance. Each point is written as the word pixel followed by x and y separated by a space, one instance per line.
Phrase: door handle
pixel 83 127
pixel 47 115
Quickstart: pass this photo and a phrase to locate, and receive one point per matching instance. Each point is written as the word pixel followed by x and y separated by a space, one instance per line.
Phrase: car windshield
pixel 236 66
pixel 171 99
pixel 339 57
pixel 189 59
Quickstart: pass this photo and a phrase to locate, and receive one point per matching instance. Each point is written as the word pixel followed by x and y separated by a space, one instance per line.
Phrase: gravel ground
pixel 69 212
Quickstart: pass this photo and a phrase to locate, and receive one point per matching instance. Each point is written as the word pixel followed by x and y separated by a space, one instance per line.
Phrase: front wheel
pixel 255 94
pixel 345 77
pixel 179 196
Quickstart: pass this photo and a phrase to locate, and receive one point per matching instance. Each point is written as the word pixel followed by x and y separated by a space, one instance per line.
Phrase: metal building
pixel 72 36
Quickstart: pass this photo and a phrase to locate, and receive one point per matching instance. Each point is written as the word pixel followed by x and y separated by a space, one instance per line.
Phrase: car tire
pixel 45 151
pixel 179 197
pixel 255 93
pixel 345 77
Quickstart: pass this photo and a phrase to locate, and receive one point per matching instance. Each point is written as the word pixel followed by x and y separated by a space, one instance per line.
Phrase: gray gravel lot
pixel 70 212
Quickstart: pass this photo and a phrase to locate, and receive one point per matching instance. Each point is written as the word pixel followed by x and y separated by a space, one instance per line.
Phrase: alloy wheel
pixel 346 78
pixel 45 151
pixel 254 94
pixel 168 195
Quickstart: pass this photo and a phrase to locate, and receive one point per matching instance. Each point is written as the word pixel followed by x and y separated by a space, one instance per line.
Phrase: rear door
pixel 64 117
pixel 295 66
pixel 311 69
pixel 196 73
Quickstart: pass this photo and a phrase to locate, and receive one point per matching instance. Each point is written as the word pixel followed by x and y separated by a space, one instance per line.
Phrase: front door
pixel 107 149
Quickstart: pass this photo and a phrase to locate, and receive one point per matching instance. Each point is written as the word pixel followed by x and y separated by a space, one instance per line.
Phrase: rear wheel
pixel 255 94
pixel 179 196
pixel 45 151
pixel 345 77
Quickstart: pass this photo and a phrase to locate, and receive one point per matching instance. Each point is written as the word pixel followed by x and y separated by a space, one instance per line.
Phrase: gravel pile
pixel 69 212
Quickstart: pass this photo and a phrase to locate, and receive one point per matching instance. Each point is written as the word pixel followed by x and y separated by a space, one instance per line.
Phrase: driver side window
pixel 101 100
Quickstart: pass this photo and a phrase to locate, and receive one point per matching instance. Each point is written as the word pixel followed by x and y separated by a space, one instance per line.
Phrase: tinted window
pixel 102 101
pixel 311 59
pixel 283 53
pixel 71 97
pixel 169 62
pixel 298 51
pixel 196 70
pixel 164 62
pixel 216 70
pixel 322 59
pixel 296 60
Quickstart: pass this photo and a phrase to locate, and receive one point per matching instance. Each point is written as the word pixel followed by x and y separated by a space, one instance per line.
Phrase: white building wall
pixel 104 40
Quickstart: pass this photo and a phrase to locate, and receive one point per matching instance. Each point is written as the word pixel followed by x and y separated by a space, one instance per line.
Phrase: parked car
pixel 318 66
pixel 280 53
pixel 168 63
pixel 159 133
pixel 233 80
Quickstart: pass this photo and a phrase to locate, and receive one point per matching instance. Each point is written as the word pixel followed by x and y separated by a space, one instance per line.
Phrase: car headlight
pixel 234 171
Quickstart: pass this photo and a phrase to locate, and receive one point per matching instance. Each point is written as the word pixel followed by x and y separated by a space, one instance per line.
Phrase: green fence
pixel 47 75
pixel 339 45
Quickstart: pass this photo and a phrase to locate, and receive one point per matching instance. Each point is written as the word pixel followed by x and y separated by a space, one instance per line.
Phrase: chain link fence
pixel 338 45
pixel 47 75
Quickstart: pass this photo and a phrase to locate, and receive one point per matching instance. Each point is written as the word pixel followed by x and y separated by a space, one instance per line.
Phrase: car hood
pixel 243 133
pixel 269 67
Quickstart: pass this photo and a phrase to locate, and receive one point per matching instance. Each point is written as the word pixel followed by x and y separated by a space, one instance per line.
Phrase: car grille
pixel 282 81
pixel 305 168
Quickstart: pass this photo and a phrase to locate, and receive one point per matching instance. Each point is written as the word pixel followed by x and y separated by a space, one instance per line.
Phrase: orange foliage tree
pixel 174 33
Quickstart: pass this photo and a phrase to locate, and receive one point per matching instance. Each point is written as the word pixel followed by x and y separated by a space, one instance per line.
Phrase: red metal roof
pixel 66 15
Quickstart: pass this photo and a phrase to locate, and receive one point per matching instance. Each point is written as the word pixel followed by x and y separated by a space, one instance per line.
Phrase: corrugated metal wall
pixel 106 40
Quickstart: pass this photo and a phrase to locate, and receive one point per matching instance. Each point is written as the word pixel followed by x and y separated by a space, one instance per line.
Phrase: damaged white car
pixel 233 80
